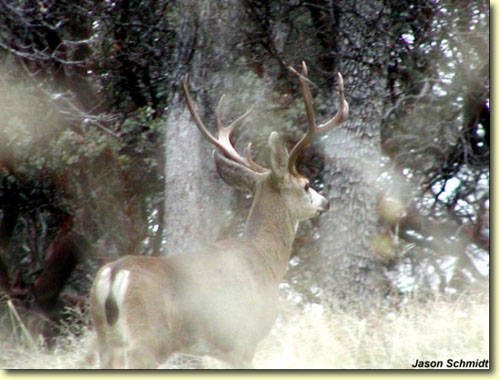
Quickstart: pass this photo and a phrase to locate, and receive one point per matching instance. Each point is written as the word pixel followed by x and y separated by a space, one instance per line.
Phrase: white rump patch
pixel 103 286
pixel 120 286
pixel 119 290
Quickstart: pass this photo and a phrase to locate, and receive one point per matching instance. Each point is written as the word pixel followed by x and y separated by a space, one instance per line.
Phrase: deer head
pixel 243 172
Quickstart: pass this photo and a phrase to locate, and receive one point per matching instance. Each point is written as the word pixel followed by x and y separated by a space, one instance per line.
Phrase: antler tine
pixel 239 120
pixel 341 114
pixel 249 155
pixel 222 141
pixel 220 126
pixel 306 93
pixel 204 131
pixel 311 130
pixel 314 130
pixel 224 133
pixel 221 129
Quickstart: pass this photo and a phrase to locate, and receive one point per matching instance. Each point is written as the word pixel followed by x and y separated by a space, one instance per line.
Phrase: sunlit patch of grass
pixel 433 330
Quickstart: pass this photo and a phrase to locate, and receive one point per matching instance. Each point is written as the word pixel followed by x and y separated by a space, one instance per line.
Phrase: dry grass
pixel 435 330
pixel 67 354
pixel 438 330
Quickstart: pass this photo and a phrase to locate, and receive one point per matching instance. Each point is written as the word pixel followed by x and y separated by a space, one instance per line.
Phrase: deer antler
pixel 314 130
pixel 223 139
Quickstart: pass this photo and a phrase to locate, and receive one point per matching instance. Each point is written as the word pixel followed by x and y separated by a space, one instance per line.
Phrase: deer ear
pixel 279 155
pixel 235 174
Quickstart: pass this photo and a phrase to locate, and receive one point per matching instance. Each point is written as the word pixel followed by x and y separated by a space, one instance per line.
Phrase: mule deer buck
pixel 220 301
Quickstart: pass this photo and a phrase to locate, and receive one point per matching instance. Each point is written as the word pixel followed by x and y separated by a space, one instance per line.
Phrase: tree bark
pixel 351 273
pixel 195 197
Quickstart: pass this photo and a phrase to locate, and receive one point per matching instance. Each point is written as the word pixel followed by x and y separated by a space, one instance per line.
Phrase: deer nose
pixel 325 206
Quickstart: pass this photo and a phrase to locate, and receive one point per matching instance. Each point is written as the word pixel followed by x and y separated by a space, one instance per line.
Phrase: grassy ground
pixel 438 330
pixel 435 330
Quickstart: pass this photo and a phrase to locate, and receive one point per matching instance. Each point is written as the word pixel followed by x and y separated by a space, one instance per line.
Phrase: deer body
pixel 220 301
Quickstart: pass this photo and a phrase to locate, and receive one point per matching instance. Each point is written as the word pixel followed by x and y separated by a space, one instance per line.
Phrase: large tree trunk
pixel 196 200
pixel 350 272
pixel 195 197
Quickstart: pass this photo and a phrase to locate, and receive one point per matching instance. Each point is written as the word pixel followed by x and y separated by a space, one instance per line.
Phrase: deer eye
pixel 306 187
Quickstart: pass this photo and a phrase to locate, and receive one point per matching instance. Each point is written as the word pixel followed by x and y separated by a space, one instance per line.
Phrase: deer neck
pixel 271 229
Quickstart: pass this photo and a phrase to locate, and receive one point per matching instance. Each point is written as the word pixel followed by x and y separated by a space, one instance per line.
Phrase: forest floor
pixel 436 330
